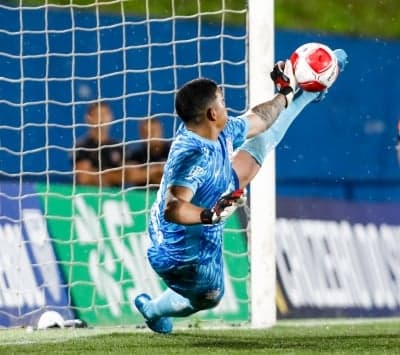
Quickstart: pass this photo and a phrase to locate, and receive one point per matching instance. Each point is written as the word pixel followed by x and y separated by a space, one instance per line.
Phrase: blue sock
pixel 259 146
pixel 169 304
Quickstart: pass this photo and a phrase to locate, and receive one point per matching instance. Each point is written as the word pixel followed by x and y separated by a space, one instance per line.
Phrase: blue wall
pixel 342 147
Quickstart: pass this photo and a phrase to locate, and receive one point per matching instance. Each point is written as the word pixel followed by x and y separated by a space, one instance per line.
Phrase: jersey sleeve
pixel 186 168
pixel 237 128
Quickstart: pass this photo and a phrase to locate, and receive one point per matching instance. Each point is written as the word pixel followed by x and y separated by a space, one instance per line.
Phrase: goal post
pixel 262 216
pixel 81 250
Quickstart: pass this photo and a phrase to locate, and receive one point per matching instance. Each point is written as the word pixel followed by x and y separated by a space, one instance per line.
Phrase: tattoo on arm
pixel 270 110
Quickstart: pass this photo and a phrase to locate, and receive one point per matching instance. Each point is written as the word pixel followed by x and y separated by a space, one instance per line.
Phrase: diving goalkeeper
pixel 212 160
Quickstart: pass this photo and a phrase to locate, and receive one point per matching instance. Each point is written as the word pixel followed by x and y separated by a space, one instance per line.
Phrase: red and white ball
pixel 315 66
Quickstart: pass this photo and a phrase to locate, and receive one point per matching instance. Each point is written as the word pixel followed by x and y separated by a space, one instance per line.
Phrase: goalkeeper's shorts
pixel 201 282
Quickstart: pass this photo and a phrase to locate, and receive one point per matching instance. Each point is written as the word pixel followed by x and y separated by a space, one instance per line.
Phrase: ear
pixel 210 114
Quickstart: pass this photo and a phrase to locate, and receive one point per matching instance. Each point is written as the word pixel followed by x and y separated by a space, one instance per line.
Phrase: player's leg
pixel 245 166
pixel 250 156
pixel 252 153
pixel 158 324
pixel 171 303
pixel 181 300
pixel 209 288
pixel 192 288
pixel 157 312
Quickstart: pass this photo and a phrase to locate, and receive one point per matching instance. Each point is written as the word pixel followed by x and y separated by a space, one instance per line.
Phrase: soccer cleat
pixel 161 325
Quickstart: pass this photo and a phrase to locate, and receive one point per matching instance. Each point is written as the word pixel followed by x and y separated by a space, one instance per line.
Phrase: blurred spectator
pixel 149 155
pixel 98 158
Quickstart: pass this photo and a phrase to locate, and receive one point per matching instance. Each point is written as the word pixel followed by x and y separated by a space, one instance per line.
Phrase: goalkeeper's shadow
pixel 223 341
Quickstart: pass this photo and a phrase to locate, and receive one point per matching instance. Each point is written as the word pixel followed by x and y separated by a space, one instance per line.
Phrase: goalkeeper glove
pixel 284 79
pixel 224 207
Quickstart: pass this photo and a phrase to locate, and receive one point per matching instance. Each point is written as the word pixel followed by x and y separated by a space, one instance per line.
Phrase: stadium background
pixel 354 128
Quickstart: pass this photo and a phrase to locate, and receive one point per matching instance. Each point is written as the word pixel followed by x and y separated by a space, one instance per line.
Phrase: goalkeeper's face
pixel 220 110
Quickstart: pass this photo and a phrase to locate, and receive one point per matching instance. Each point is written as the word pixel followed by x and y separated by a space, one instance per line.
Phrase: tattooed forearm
pixel 270 110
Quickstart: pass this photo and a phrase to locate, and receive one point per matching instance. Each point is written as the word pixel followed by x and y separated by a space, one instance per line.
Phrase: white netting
pixel 78 248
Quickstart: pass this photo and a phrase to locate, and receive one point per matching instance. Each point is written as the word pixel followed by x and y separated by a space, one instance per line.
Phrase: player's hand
pixel 284 79
pixel 224 207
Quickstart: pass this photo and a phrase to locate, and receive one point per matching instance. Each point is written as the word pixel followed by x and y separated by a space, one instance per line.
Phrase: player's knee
pixel 207 300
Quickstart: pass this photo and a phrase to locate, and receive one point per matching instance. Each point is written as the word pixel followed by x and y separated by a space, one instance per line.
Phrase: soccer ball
pixel 315 66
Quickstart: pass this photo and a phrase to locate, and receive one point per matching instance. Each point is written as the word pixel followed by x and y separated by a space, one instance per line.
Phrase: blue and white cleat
pixel 161 325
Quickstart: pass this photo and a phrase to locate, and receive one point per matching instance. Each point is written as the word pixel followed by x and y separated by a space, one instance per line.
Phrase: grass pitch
pixel 307 337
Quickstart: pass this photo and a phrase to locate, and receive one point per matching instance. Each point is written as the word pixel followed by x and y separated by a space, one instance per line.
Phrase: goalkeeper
pixel 208 168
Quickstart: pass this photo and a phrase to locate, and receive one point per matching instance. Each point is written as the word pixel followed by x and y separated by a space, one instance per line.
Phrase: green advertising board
pixel 100 240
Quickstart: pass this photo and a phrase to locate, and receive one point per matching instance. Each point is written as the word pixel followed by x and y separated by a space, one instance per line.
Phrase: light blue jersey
pixel 204 166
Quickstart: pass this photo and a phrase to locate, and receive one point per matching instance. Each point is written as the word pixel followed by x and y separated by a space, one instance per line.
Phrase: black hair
pixel 96 105
pixel 194 98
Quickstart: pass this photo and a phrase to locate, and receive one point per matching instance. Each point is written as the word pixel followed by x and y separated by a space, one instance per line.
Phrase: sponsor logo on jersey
pixel 196 171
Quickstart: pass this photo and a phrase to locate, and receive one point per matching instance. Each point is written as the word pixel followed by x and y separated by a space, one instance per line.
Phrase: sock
pixel 169 304
pixel 259 146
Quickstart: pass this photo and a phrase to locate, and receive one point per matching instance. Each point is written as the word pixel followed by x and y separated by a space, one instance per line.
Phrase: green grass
pixel 333 337
pixel 373 18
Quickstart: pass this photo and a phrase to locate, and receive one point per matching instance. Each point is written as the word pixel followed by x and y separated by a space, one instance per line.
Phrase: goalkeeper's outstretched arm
pixel 261 117
pixel 252 153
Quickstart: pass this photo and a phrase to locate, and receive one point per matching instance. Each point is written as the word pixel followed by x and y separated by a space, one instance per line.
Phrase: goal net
pixel 78 245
